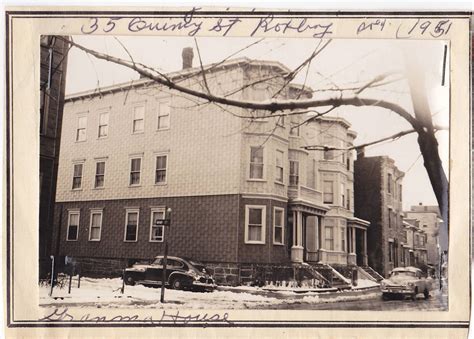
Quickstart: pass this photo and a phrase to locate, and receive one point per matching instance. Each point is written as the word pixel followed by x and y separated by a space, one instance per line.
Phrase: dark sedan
pixel 180 274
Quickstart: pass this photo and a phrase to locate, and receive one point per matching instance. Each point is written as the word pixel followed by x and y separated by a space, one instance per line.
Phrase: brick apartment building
pixel 242 190
pixel 378 198
pixel 429 220
pixel 53 55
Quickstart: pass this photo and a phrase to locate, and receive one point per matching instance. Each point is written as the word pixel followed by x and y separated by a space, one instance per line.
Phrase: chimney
pixel 420 204
pixel 187 57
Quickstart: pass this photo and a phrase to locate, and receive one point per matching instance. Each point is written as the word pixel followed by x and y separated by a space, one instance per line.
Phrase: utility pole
pixel 164 222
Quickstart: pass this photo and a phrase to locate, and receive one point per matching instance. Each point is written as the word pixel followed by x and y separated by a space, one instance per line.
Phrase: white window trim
pixel 95 174
pixel 98 124
pixel 247 215
pixel 82 175
pixel 166 169
pixel 79 116
pixel 127 211
pixel 278 180
pixel 154 210
pixel 130 171
pixel 282 225
pixel 138 104
pixel 158 115
pixel 95 211
pixel 263 178
pixel 69 224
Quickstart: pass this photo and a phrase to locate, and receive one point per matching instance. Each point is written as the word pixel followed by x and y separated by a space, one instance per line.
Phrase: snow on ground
pixel 365 283
pixel 106 293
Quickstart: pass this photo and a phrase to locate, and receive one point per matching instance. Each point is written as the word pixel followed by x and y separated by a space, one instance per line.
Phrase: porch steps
pixel 373 273
pixel 316 274
pixel 339 280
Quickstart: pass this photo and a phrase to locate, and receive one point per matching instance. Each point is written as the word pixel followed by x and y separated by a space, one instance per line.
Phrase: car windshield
pixel 198 266
pixel 407 274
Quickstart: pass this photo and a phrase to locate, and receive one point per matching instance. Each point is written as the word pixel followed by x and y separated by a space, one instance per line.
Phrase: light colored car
pixel 406 281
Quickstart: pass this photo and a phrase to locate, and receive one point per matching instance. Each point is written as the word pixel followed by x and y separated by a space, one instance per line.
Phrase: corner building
pixel 241 189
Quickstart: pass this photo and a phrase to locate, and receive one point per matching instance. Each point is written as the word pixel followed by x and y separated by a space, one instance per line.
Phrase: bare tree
pixel 420 120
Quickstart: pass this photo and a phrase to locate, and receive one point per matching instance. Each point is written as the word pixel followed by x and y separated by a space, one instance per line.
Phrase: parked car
pixel 406 281
pixel 180 274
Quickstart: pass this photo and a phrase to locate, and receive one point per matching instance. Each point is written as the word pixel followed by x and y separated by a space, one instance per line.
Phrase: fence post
pixel 52 275
pixel 123 282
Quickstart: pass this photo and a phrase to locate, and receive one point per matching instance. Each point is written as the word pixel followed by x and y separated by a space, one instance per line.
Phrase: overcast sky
pixel 344 63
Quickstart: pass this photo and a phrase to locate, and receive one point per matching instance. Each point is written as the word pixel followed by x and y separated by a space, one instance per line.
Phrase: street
pixel 437 302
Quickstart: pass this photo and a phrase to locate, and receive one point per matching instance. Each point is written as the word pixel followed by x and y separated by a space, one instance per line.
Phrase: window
pixel 255 224
pixel 81 128
pixel 343 239
pixel 329 238
pixel 99 174
pixel 348 162
pixel 295 130
pixel 138 119
pixel 389 216
pixel 256 162
pixel 311 178
pixel 161 167
pixel 163 116
pixel 135 170
pixel 103 125
pixel 278 225
pixel 400 192
pixel 294 173
pixel 72 226
pixel 279 166
pixel 328 192
pixel 77 177
pixel 95 226
pixel 343 195
pixel 157 232
pixel 329 154
pixel 390 251
pixel 389 183
pixel 348 199
pixel 131 225
pixel 328 141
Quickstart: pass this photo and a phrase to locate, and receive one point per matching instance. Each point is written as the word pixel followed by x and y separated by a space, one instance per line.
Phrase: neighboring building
pixel 242 191
pixel 415 251
pixel 378 198
pixel 53 61
pixel 430 221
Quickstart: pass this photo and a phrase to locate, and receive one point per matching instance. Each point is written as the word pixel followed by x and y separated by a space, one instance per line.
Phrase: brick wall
pixel 203 228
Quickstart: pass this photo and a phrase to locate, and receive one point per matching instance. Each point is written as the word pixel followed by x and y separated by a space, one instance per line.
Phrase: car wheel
pixel 129 280
pixel 414 294
pixel 426 293
pixel 177 284
pixel 386 296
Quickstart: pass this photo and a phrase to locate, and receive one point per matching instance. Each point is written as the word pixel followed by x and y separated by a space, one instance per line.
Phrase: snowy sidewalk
pixel 105 293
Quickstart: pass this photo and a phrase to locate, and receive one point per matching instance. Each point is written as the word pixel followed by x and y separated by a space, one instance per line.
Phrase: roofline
pixel 176 75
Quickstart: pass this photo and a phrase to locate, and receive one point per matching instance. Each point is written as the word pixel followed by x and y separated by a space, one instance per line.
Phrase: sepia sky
pixel 344 63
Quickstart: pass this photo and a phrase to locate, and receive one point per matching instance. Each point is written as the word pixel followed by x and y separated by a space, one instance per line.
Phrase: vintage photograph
pixel 244 173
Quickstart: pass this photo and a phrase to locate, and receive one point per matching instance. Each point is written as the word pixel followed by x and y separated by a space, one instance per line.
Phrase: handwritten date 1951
pixel 435 29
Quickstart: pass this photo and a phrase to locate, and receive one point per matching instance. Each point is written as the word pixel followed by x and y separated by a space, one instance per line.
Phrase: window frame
pixel 100 212
pixel 127 212
pixel 292 174
pixel 130 172
pixel 70 213
pixel 325 201
pixel 389 183
pixel 262 164
pixel 78 128
pixel 282 226
pixel 135 119
pixel 263 208
pixel 326 239
pixel 106 113
pixel 96 175
pixel 343 239
pixel 157 155
pixel 279 168
pixel 81 163
pixel 157 210
pixel 159 115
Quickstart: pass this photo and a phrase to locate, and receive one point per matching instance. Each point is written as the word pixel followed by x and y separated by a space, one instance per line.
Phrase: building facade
pixel 53 55
pixel 415 251
pixel 241 188
pixel 378 198
pixel 429 219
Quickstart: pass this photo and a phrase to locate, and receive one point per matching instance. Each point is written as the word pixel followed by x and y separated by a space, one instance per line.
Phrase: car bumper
pixel 397 290
pixel 207 286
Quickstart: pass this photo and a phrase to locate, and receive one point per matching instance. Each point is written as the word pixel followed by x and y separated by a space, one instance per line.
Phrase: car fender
pixel 183 275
